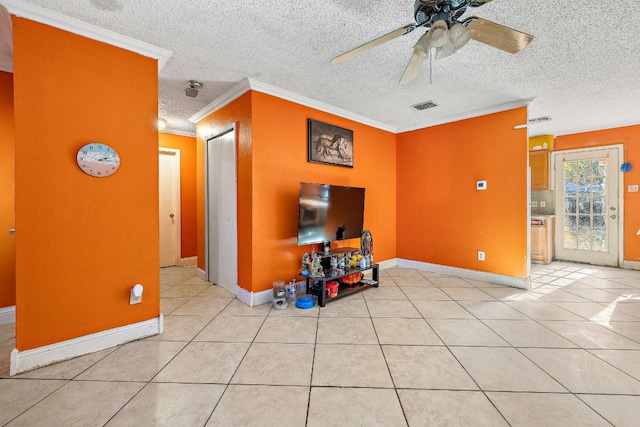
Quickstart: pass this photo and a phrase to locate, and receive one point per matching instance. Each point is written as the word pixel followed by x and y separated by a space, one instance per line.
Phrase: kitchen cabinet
pixel 539 163
pixel 542 244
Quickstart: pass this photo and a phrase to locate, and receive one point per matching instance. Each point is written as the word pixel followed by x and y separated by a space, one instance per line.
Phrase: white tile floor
pixel 423 349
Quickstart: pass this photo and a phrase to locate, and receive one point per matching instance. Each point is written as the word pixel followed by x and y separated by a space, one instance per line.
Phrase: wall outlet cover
pixel 481 185
pixel 480 256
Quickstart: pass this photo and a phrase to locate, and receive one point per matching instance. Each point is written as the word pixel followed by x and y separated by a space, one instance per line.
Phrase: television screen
pixel 329 212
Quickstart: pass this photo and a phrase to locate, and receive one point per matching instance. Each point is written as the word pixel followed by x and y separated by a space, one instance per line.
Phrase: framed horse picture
pixel 329 144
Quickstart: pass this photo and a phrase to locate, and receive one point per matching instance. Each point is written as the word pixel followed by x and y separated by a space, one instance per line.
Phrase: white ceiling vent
pixel 425 105
pixel 539 120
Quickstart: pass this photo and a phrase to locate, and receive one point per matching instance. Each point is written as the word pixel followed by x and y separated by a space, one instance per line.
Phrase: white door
pixel 169 207
pixel 588 206
pixel 221 220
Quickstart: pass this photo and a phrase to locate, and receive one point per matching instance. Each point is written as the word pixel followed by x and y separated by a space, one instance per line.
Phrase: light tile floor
pixel 423 349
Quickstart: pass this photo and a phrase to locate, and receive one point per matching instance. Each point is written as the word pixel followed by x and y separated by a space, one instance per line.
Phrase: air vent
pixel 539 120
pixel 425 105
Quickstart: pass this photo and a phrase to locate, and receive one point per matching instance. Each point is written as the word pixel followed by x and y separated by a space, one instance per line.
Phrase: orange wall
pixel 82 242
pixel 630 137
pixel 272 161
pixel 188 197
pixel 280 164
pixel 238 112
pixel 7 202
pixel 442 218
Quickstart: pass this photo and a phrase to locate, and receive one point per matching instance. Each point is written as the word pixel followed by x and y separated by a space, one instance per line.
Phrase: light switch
pixel 481 185
pixel 633 188
pixel 543 204
pixel 534 204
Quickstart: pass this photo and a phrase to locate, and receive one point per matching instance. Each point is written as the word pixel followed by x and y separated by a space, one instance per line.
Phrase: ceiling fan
pixel 446 33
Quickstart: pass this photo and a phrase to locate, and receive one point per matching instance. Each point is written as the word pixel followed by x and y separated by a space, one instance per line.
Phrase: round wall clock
pixel 97 159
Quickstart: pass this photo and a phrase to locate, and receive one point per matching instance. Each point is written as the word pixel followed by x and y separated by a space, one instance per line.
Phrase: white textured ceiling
pixel 581 69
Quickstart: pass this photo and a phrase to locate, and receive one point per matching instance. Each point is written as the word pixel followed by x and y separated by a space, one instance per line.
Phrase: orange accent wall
pixel 7 191
pixel 442 218
pixel 82 242
pixel 630 137
pixel 188 197
pixel 238 112
pixel 272 162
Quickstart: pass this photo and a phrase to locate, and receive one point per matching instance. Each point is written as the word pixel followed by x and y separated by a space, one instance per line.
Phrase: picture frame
pixel 329 144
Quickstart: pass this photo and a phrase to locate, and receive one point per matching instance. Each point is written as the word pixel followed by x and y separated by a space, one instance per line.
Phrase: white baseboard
pixel 201 273
pixel 7 315
pixel 23 361
pixel 253 298
pixel 629 265
pixel 189 261
pixel 514 282
pixel 388 263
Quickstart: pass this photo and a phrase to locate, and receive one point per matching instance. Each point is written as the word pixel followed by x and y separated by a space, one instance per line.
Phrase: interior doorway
pixel 589 205
pixel 169 183
pixel 221 225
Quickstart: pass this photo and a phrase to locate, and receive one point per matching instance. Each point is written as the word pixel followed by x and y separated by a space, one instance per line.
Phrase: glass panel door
pixel 587 203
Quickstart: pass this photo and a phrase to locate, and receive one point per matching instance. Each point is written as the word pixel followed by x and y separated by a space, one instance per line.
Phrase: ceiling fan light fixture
pixel 438 35
pixel 445 50
pixel 422 45
pixel 460 35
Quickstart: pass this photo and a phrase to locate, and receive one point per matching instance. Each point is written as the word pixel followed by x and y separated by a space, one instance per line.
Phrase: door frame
pixel 619 147
pixel 229 129
pixel 177 235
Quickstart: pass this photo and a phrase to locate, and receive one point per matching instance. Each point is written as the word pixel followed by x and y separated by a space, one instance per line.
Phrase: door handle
pixel 12 231
pixel 613 217
pixel 171 216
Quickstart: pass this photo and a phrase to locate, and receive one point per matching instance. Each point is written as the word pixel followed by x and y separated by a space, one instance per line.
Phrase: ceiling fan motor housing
pixel 427 12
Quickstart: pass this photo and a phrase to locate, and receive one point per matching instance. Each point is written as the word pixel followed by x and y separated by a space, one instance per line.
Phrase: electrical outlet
pixel 543 204
pixel 534 204
pixel 135 296
pixel 633 188
pixel 480 256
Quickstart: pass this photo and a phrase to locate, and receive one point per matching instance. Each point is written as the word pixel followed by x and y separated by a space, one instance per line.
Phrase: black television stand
pixel 318 285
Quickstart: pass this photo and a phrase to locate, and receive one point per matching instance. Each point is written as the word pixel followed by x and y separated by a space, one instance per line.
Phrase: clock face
pixel 98 160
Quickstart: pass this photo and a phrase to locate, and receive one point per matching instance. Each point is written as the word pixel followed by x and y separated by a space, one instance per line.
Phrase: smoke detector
pixel 194 87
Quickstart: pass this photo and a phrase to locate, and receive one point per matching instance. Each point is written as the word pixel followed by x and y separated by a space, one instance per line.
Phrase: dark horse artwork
pixel 330 144
pixel 336 146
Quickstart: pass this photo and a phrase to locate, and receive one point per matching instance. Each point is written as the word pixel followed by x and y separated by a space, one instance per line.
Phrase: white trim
pixel 93 32
pixel 388 263
pixel 253 299
pixel 469 115
pixel 177 132
pixel 23 361
pixel 248 84
pixel 515 282
pixel 192 260
pixel 201 274
pixel 629 265
pixel 226 98
pixel 8 315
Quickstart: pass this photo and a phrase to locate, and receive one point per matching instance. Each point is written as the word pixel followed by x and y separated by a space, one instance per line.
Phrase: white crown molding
pixel 178 132
pixel 8 315
pixel 469 115
pixel 248 84
pixel 23 361
pixel 75 26
pixel 223 100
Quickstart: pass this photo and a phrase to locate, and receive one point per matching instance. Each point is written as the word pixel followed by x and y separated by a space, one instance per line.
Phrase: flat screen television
pixel 329 212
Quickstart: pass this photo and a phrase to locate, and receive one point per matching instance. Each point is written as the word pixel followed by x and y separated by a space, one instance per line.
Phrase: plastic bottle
pixel 291 292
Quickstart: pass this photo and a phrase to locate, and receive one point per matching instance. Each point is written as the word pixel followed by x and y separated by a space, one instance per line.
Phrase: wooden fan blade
pixel 413 67
pixel 499 36
pixel 373 43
